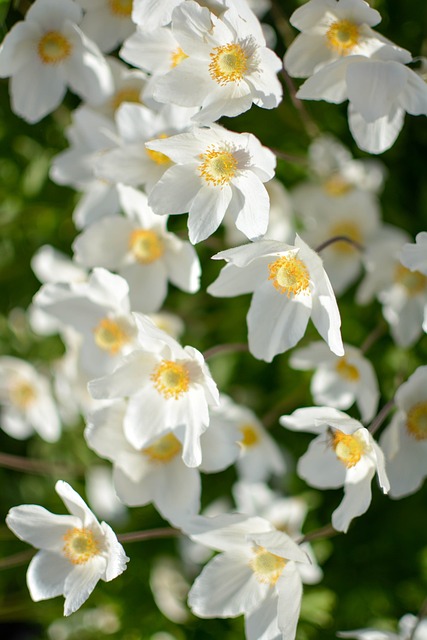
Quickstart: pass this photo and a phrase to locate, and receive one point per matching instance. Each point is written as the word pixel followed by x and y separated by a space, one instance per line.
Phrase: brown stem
pixel 288 157
pixel 225 348
pixel 382 415
pixel 17 559
pixel 149 534
pixel 310 126
pixel 373 337
pixel 421 615
pixel 324 532
pixel 38 467
pixel 330 241
pixel 281 23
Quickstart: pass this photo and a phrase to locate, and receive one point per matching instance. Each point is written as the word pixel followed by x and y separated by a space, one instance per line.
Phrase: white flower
pixel 101 494
pixel 75 550
pixel 404 441
pixel 227 68
pixel 129 85
pixel 339 382
pixel 47 52
pixel 256 575
pixel 217 172
pixel 153 13
pixel 344 454
pixel 99 310
pixel 170 589
pixel 289 285
pixel 27 401
pixel 414 256
pixel 332 30
pixel 406 631
pixel 141 250
pixel 107 22
pixel 169 388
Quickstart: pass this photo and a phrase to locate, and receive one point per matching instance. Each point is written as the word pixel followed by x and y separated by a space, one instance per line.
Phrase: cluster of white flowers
pixel 145 144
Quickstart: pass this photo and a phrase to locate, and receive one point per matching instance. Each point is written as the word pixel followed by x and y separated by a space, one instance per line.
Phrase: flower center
pixel 229 63
pixel 157 156
pixel 266 566
pixel 146 245
pixel 80 545
pixel 177 56
pixel 121 8
pixel 110 336
pixel 126 95
pixel 22 394
pixel 164 449
pixel 348 449
pixel 343 36
pixel 289 275
pixel 349 229
pixel 336 186
pixel 413 281
pixel 54 47
pixel 171 379
pixel 250 435
pixel 416 421
pixel 347 371
pixel 219 166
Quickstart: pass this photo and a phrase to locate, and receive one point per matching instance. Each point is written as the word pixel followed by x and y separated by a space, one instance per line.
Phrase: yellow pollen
pixel 22 394
pixel 413 281
pixel 347 371
pixel 229 63
pixel 343 36
pixel 349 449
pixel 146 245
pixel 171 379
pixel 289 275
pixel 164 449
pixel 416 421
pixel 250 435
pixel 219 166
pixel 177 56
pixel 157 156
pixel 54 47
pixel 126 95
pixel 336 186
pixel 349 229
pixel 266 566
pixel 109 336
pixel 121 8
pixel 80 545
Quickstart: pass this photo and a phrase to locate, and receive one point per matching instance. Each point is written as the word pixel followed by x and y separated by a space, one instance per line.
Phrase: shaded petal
pixel 46 575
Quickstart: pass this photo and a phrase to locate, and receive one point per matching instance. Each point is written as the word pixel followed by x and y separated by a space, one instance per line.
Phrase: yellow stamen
pixel 121 8
pixel 348 448
pixel 229 63
pixel 266 566
pixel 343 36
pixel 177 57
pixel 347 371
pixel 349 229
pixel 250 435
pixel 110 336
pixel 80 545
pixel 164 449
pixel 289 275
pixel 171 379
pixel 219 166
pixel 54 47
pixel 413 281
pixel 157 156
pixel 416 421
pixel 22 394
pixel 336 185
pixel 126 95
pixel 146 245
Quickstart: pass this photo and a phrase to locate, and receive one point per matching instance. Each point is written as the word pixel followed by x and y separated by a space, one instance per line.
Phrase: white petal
pixel 39 527
pixel 46 575
pixel 378 136
pixel 290 594
pixel 357 498
pixel 81 582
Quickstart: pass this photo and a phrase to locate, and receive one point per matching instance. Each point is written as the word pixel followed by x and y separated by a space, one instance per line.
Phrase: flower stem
pixel 382 415
pixel 330 241
pixel 149 534
pixel 324 532
pixel 38 467
pixel 225 348
pixel 17 559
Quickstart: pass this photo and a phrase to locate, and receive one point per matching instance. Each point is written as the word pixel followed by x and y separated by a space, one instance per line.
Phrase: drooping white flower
pixel 410 626
pixel 343 454
pixel 290 285
pixel 101 494
pixel 129 85
pixel 227 68
pixel 99 311
pixel 217 173
pixel 141 250
pixel 76 551
pixel 47 52
pixel 169 388
pixel 404 441
pixel 170 588
pixel 414 256
pixel 255 574
pixel 339 382
pixel 107 22
pixel 27 403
